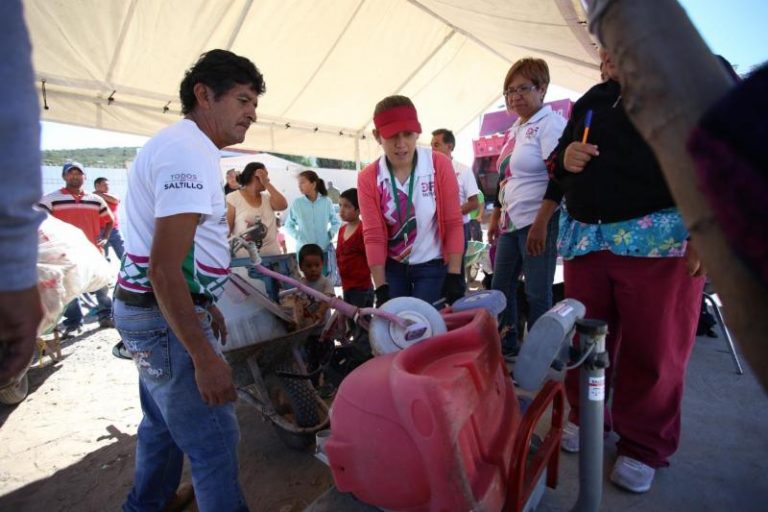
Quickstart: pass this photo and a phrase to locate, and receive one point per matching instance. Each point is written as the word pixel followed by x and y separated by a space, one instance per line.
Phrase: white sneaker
pixel 632 475
pixel 569 442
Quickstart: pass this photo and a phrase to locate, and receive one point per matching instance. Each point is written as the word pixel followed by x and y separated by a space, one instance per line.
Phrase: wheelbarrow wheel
pixel 296 401
pixel 14 394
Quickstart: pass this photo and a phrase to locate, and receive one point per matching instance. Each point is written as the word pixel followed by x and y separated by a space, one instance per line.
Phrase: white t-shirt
pixel 467 184
pixel 177 171
pixel 521 166
pixel 246 214
pixel 425 245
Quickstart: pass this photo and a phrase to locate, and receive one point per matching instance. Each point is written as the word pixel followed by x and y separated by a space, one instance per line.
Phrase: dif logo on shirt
pixel 184 180
pixel 531 132
pixel 427 188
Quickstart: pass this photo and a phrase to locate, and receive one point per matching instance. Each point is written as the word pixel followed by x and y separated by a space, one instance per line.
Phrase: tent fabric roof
pixel 326 64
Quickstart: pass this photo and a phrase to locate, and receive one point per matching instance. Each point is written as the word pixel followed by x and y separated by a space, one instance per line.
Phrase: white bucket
pixel 244 306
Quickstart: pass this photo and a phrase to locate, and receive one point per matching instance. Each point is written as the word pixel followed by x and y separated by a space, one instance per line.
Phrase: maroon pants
pixel 652 308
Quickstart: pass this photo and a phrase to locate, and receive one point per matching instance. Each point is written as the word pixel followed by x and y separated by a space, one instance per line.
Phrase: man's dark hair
pixel 100 179
pixel 351 195
pixel 310 250
pixel 249 172
pixel 220 70
pixel 448 137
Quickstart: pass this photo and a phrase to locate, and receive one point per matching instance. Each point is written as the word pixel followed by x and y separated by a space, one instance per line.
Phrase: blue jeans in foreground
pixel 73 314
pixel 423 280
pixel 539 272
pixel 176 420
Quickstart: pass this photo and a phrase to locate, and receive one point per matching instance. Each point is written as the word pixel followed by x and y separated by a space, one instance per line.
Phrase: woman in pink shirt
pixel 409 203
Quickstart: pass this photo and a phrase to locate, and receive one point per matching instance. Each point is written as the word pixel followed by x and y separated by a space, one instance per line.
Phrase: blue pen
pixel 587 124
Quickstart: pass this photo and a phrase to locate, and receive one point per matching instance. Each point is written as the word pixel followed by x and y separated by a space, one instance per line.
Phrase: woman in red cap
pixel 409 202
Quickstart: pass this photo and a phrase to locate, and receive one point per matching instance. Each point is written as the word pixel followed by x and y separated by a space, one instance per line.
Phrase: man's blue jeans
pixel 475 230
pixel 423 280
pixel 73 314
pixel 176 420
pixel 115 242
pixel 464 256
pixel 539 272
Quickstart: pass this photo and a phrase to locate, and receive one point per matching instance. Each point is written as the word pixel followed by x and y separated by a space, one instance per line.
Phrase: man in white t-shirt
pixel 443 141
pixel 176 262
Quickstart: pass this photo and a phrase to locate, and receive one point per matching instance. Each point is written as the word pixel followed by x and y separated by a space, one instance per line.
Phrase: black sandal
pixel 120 351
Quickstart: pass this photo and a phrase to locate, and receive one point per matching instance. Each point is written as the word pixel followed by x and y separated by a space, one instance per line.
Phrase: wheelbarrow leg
pixel 258 380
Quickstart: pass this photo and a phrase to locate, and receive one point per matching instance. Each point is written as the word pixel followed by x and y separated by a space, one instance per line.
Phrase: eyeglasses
pixel 523 89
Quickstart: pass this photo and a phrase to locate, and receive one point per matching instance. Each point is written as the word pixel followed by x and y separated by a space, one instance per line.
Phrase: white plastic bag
pixel 68 265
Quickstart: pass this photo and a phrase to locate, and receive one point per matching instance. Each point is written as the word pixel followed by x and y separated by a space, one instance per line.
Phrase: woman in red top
pixel 350 253
pixel 354 271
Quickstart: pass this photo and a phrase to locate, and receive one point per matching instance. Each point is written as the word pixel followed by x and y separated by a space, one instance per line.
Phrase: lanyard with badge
pixel 409 204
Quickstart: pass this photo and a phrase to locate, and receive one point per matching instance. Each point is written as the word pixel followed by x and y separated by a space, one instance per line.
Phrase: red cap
pixel 397 119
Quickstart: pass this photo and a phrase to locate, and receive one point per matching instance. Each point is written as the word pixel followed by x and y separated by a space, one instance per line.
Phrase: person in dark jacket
pixel 628 259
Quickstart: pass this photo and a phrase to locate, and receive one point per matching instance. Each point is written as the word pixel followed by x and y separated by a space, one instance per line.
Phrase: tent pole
pixel 357 152
pixel 239 24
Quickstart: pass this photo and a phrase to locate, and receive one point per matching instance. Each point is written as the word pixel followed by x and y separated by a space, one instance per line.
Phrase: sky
pixel 731 28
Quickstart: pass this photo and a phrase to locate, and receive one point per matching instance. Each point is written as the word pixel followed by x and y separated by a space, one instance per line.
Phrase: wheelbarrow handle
pixel 346 309
pixel 386 315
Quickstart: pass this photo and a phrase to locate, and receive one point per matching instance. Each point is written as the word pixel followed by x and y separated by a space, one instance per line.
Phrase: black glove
pixel 382 295
pixel 453 288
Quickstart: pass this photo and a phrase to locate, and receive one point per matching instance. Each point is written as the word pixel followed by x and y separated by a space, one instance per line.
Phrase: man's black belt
pixel 149 300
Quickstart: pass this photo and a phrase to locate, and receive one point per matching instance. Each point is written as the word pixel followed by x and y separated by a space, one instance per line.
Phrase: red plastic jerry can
pixel 430 428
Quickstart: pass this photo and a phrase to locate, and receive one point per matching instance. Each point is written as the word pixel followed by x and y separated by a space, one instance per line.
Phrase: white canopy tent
pixel 117 64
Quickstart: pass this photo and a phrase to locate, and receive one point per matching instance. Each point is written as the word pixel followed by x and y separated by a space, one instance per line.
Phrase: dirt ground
pixel 70 445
